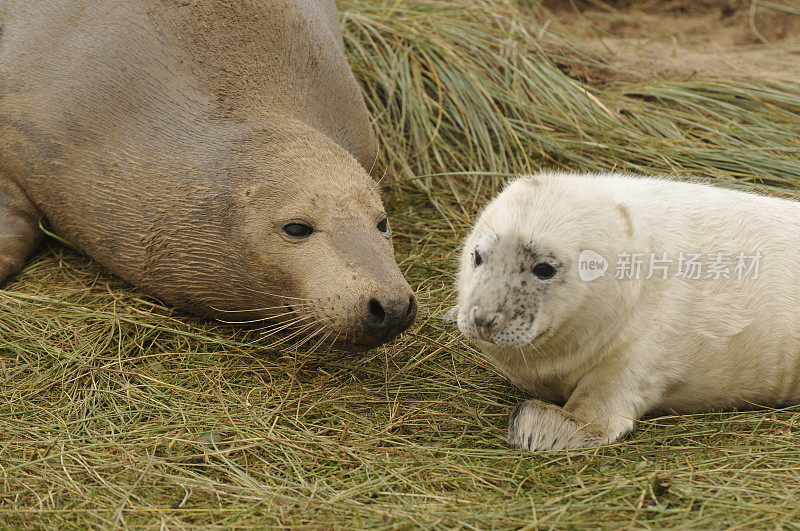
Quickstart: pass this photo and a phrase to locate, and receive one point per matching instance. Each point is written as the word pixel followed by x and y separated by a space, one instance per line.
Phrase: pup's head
pixel 518 278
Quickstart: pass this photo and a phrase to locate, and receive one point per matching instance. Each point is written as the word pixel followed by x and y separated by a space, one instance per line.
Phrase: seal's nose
pixel 484 320
pixel 389 316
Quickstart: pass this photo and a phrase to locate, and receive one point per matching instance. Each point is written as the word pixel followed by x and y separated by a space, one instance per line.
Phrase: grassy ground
pixel 117 411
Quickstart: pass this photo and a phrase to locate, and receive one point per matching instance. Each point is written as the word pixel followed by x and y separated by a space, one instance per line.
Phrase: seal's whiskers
pixel 262 319
pixel 262 309
pixel 283 325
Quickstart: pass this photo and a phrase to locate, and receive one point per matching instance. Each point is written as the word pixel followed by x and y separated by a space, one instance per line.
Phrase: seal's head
pixel 517 281
pixel 304 247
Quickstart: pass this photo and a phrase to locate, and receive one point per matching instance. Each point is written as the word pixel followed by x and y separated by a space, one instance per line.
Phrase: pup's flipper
pixel 535 426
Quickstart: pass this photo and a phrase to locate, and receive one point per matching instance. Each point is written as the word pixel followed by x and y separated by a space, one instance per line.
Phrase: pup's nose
pixel 388 316
pixel 484 320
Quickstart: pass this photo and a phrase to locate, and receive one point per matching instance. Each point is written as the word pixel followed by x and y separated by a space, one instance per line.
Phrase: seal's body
pixel 210 152
pixel 617 296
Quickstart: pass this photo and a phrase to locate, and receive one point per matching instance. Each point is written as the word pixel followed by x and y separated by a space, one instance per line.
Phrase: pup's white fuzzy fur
pixel 611 350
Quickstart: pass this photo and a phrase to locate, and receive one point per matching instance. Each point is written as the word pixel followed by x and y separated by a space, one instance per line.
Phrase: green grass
pixel 117 411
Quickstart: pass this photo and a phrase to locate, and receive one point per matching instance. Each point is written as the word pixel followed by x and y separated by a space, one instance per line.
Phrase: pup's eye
pixel 543 270
pixel 383 227
pixel 477 259
pixel 297 230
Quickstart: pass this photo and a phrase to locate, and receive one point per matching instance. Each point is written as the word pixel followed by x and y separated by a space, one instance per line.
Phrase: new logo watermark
pixel 591 265
pixel 684 265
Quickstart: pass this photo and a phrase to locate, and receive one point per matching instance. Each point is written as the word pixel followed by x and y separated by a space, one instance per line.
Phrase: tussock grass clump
pixel 468 87
pixel 117 411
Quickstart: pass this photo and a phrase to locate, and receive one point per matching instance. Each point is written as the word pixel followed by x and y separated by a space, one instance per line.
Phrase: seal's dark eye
pixel 543 270
pixel 477 259
pixel 297 230
pixel 383 226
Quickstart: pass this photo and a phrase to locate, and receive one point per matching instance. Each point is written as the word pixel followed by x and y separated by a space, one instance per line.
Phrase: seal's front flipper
pixel 536 426
pixel 19 228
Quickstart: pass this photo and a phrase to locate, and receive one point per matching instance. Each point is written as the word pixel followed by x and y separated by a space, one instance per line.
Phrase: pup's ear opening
pixel 627 221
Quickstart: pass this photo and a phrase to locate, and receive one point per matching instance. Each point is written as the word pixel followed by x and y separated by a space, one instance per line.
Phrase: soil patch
pixel 673 39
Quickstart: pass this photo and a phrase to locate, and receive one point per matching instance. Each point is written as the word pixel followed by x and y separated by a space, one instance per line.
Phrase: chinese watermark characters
pixel 684 265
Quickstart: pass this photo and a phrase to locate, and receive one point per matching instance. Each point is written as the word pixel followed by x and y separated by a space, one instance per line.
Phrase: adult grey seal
pixel 213 153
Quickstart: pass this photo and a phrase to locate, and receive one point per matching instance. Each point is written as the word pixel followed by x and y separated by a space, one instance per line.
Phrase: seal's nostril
pixel 412 306
pixel 485 322
pixel 376 310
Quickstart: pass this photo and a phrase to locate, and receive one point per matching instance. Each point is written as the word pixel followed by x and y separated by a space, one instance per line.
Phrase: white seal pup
pixel 609 296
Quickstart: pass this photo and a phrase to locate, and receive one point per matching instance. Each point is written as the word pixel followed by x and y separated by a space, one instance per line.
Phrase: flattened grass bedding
pixel 117 411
